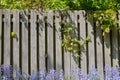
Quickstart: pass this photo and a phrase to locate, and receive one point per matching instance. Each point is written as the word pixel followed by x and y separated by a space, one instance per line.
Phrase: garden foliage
pixel 61 4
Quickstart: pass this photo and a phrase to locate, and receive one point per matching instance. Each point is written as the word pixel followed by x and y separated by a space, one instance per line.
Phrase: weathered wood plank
pixel 0 34
pixel 67 68
pixel 74 58
pixel 83 37
pixel 107 52
pixel 58 41
pixel 99 51
pixel 91 51
pixel 7 28
pixel 41 23
pixel 33 42
pixel 115 48
pixel 24 19
pixel 50 39
pixel 67 55
pixel 16 39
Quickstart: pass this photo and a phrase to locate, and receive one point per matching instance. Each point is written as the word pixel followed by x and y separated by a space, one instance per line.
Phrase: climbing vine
pixel 106 19
pixel 70 41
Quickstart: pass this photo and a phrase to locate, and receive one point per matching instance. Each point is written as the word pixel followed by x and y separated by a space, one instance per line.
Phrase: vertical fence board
pixel 107 49
pixel 99 51
pixel 16 39
pixel 67 54
pixel 7 28
pixel 74 58
pixel 24 19
pixel 58 41
pixel 0 34
pixel 50 40
pixel 33 42
pixel 115 48
pixel 91 51
pixel 41 23
pixel 83 37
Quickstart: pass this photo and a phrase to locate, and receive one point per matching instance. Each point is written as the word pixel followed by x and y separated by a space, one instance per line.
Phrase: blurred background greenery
pixel 61 4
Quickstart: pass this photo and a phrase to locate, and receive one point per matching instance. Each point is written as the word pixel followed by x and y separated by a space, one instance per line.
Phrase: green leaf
pixel 88 38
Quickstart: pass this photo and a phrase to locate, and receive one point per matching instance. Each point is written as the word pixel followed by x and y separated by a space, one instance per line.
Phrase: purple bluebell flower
pixel 93 74
pixel 73 74
pixel 26 76
pixel 34 77
pixel 80 75
pixel 42 74
pixel 93 71
pixel 53 74
pixel 108 72
pixel 61 75
pixel 8 72
pixel 47 77
pixel 114 73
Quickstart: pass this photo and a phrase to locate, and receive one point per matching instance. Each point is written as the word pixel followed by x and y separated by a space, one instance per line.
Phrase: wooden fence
pixel 38 41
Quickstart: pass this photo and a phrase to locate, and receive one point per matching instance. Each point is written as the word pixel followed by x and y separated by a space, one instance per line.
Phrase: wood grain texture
pixel 41 23
pixel 58 41
pixel 114 46
pixel 50 40
pixel 91 48
pixel 107 52
pixel 24 20
pixel 83 37
pixel 7 32
pixel 33 42
pixel 67 55
pixel 16 39
pixel 99 51
pixel 74 59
